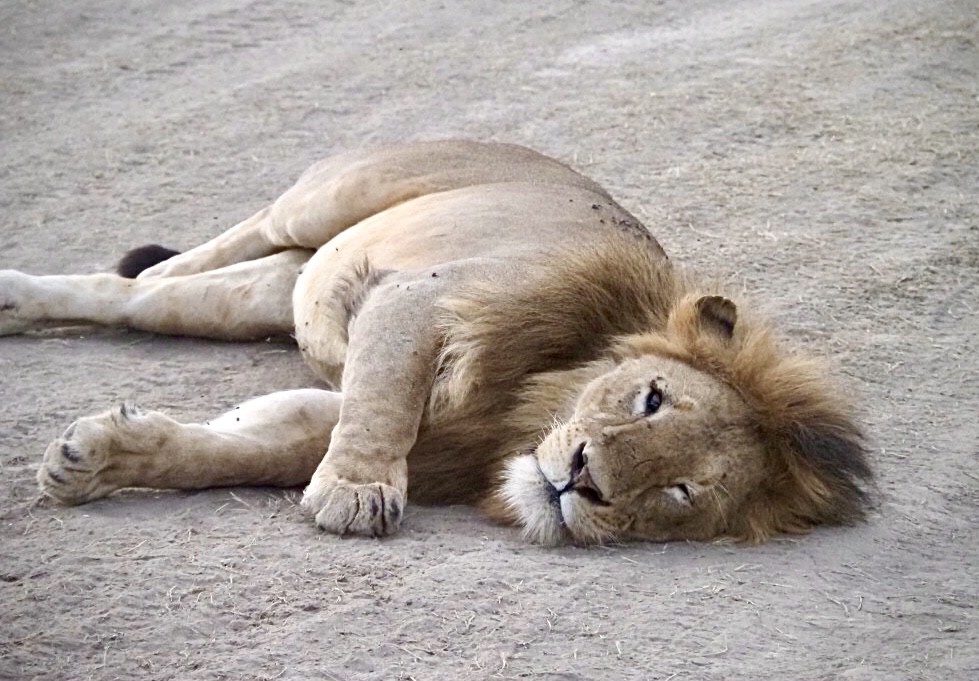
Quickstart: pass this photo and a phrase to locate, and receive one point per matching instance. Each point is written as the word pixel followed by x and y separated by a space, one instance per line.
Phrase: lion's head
pixel 703 430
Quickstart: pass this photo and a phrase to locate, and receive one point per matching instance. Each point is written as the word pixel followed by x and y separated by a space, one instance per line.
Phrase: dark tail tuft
pixel 144 257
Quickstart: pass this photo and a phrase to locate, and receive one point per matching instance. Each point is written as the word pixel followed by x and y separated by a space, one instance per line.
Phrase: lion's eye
pixel 648 401
pixel 681 493
pixel 654 400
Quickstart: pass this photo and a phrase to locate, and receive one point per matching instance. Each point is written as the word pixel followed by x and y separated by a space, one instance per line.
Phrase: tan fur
pixel 500 333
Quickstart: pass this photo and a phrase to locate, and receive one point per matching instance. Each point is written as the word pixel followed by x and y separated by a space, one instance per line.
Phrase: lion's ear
pixel 717 315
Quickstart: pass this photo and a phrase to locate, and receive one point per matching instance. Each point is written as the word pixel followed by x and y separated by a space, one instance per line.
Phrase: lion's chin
pixel 528 493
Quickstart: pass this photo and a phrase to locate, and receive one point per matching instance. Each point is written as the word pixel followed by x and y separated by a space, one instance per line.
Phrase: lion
pixel 494 330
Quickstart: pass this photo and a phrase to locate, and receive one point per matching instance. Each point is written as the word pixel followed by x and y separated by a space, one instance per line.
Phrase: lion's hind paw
pixel 15 303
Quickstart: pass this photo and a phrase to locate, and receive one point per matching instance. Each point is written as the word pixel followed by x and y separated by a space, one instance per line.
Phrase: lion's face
pixel 654 450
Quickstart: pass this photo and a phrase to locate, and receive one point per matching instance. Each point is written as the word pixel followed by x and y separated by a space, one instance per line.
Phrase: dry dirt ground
pixel 824 154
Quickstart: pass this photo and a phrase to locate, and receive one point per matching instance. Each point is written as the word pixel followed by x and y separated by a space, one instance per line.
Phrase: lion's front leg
pixel 274 440
pixel 361 485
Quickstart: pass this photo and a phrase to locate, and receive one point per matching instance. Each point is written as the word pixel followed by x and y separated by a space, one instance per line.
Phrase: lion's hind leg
pixel 240 302
pixel 276 440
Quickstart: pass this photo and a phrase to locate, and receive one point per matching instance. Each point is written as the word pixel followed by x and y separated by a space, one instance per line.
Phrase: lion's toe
pixel 70 469
pixel 74 467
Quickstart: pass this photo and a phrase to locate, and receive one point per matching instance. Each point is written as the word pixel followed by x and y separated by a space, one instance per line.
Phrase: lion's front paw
pixel 342 507
pixel 74 469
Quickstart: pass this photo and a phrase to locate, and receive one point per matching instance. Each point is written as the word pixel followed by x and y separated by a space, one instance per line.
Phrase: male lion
pixel 499 331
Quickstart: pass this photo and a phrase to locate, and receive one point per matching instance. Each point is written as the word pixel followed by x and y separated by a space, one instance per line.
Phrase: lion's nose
pixel 578 461
pixel 581 480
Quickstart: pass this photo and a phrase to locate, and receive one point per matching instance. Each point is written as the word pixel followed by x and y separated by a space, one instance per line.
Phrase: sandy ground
pixel 824 154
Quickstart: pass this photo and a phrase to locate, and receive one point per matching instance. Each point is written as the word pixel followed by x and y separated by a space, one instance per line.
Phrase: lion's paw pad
pixel 342 507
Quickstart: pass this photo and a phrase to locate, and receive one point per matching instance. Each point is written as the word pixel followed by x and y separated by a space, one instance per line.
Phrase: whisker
pixel 724 489
pixel 556 423
pixel 721 512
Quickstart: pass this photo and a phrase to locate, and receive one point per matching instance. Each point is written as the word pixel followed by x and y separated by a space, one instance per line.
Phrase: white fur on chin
pixel 528 492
